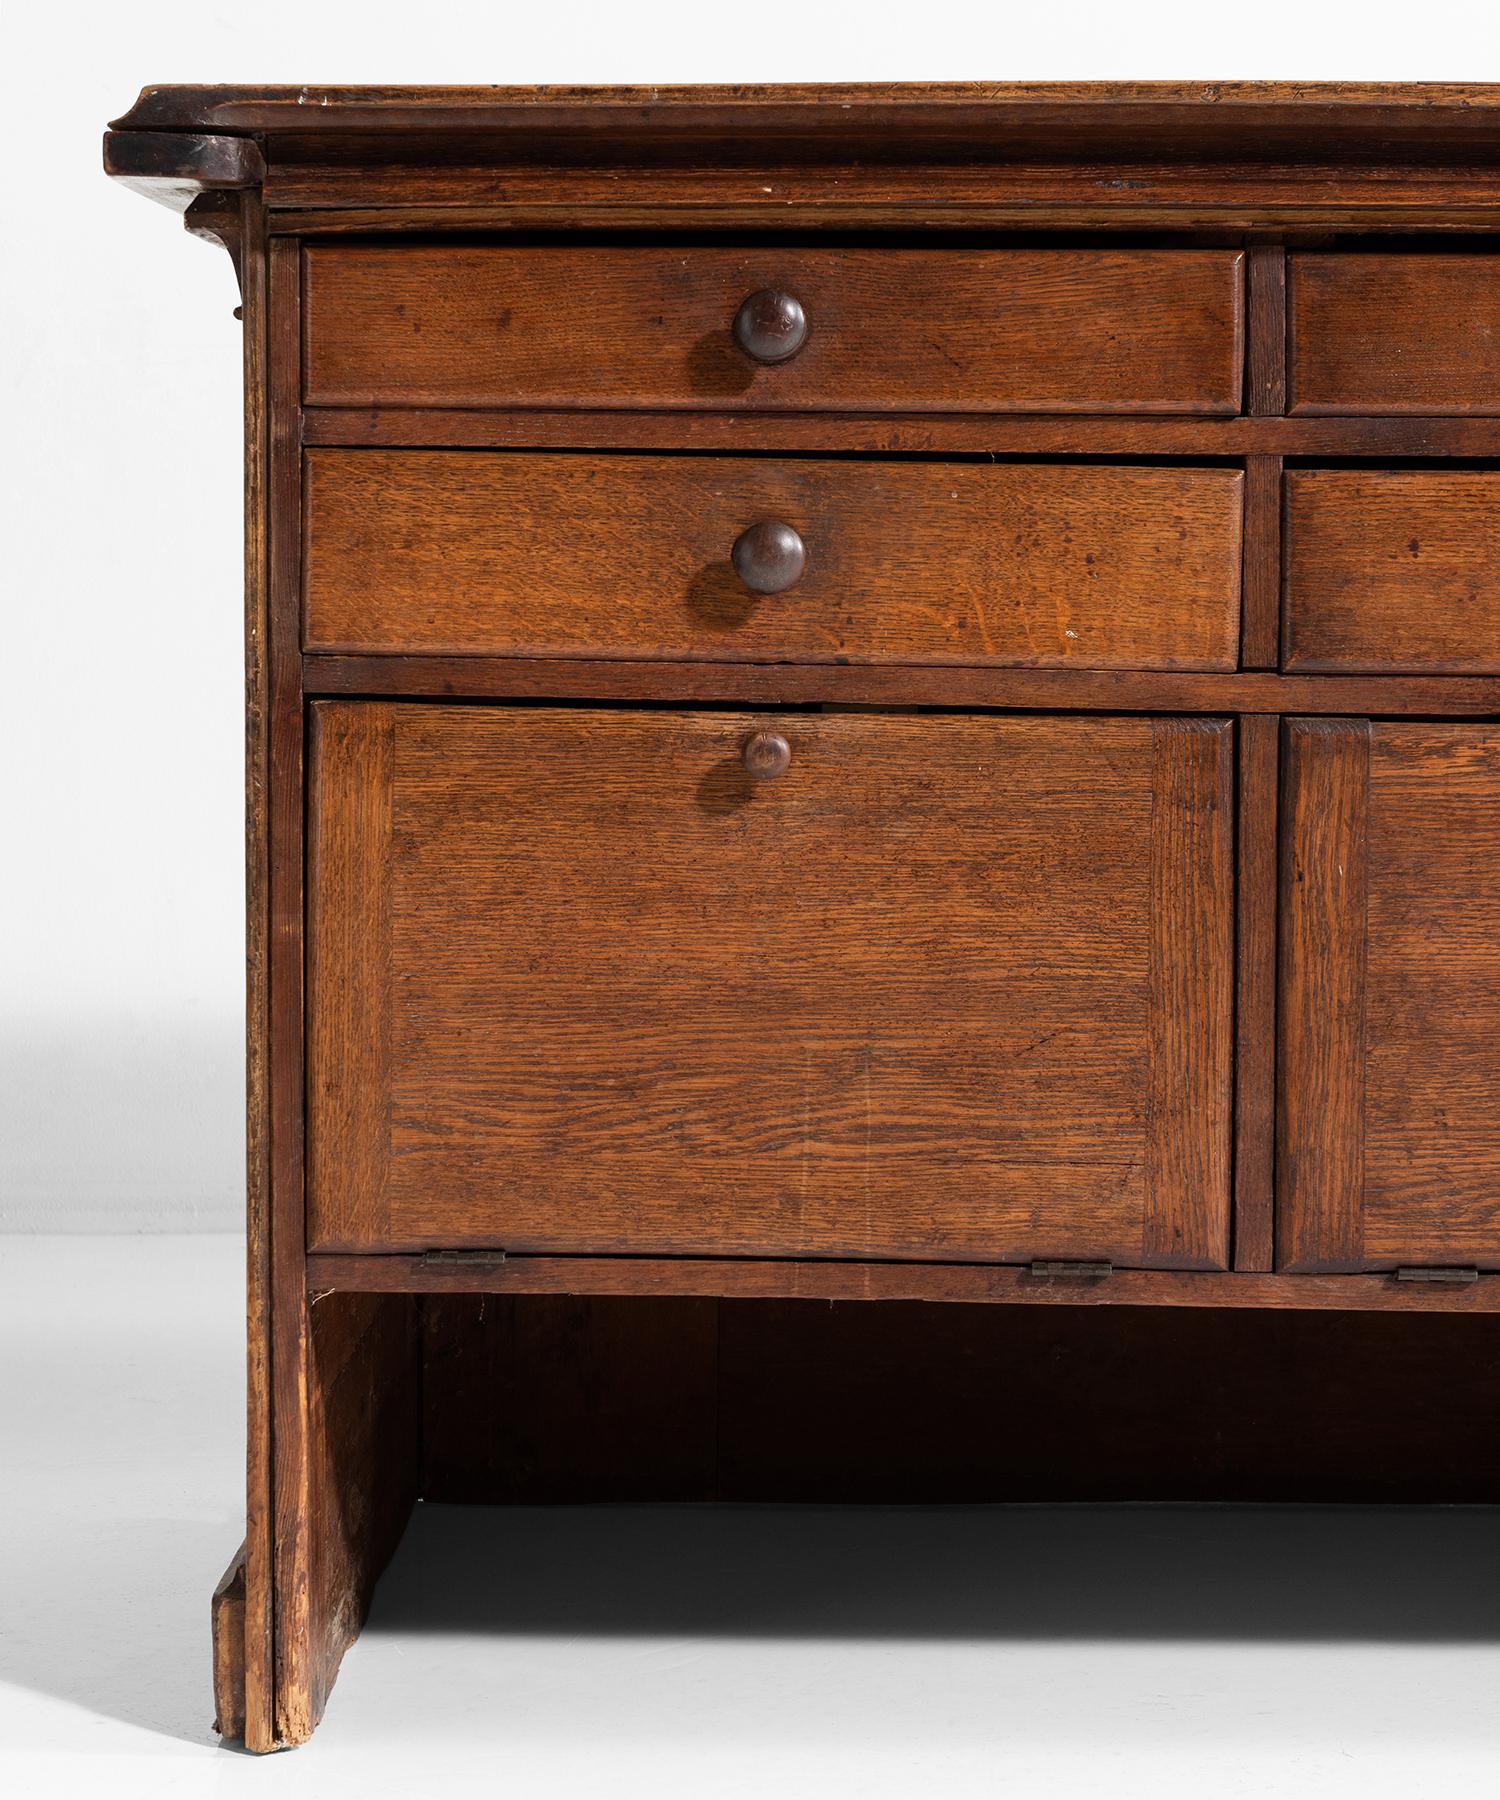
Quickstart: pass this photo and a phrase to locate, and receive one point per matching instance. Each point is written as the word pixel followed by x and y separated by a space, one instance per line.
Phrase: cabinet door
pixel 1390 1014
pixel 946 987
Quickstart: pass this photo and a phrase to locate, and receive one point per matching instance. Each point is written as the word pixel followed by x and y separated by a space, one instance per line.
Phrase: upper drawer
pixel 1023 565
pixel 1395 334
pixel 1393 570
pixel 939 330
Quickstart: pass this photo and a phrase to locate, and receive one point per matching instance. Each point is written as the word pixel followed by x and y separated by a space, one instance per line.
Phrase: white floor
pixel 1032 1651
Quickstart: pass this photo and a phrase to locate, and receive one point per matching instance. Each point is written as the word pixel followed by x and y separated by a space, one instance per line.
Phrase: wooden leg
pixel 363 1433
pixel 229 1649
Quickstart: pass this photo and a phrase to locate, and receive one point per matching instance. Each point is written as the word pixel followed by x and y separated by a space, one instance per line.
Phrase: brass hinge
pixel 1077 1271
pixel 464 1258
pixel 1453 1277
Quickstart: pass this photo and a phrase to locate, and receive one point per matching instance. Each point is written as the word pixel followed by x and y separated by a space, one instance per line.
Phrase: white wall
pixel 120 879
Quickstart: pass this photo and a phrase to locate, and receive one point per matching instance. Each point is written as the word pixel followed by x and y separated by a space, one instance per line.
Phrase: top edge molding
pixel 232 110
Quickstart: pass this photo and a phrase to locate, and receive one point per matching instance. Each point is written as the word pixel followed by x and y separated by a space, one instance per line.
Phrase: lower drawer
pixel 1020 565
pixel 941 987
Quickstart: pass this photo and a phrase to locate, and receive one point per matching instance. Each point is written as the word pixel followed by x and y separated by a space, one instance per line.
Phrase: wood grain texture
pixel 1325 879
pixel 1432 997
pixel 1265 383
pixel 1256 871
pixel 227 1621
pixel 291 1453
pixel 349 963
pixel 1400 1046
pixel 787 684
pixel 925 434
pixel 1462 111
pixel 258 1609
pixel 1192 992
pixel 923 200
pixel 829 1279
pixel 1260 628
pixel 364 1434
pixel 1393 570
pixel 896 1003
pixel 1093 330
pixel 174 168
pixel 535 555
pixel 1392 333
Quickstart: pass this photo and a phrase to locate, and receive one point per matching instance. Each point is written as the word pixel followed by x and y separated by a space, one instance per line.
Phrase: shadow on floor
pixel 1124 1574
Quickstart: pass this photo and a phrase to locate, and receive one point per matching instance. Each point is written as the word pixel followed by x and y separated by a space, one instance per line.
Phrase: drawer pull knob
pixel 771 326
pixel 766 755
pixel 769 557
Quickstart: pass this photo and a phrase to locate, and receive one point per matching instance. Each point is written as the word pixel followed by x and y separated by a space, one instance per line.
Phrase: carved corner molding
pixel 201 177
pixel 174 168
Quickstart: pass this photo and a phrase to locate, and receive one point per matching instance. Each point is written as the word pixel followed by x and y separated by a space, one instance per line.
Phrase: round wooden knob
pixel 769 558
pixel 765 755
pixel 770 326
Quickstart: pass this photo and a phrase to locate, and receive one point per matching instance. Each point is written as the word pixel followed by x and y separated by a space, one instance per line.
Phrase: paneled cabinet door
pixel 1390 1004
pixel 840 985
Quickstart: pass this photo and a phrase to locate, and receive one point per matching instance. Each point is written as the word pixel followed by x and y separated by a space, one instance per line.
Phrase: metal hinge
pixel 469 1258
pixel 1453 1277
pixel 1078 1271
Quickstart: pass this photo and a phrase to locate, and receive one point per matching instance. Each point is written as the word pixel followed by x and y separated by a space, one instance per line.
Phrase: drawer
pixel 1394 334
pixel 1392 571
pixel 518 554
pixel 1096 330
pixel 944 987
pixel 1390 1008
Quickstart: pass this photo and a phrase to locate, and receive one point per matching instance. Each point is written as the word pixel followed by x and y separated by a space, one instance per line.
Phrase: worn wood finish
pixel 259 1550
pixel 1432 996
pixel 883 1051
pixel 1265 383
pixel 1393 570
pixel 789 684
pixel 930 434
pixel 1324 871
pixel 1260 631
pixel 175 168
pixel 1395 334
pixel 294 1652
pixel 1391 1085
pixel 363 1437
pixel 1003 330
pixel 227 1627
pixel 895 994
pixel 1025 565
pixel 1409 114
pixel 831 1279
pixel 1255 1009
pixel 1191 985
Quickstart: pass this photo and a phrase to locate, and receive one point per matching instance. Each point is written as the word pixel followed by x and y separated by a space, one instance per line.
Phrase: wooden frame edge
pixel 828 1280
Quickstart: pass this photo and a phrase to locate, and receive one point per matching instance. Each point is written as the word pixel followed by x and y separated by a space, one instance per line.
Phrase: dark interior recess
pixel 536 1399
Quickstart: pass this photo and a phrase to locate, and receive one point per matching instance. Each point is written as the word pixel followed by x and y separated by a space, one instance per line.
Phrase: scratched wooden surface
pixel 1022 565
pixel 911 998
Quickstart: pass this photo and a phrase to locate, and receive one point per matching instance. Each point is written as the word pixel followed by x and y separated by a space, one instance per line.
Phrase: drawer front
pixel 947 987
pixel 1392 571
pixel 1390 1011
pixel 1395 334
pixel 1038 566
pixel 982 330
